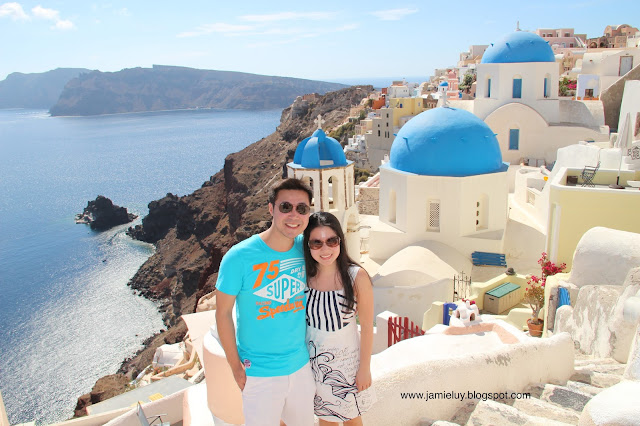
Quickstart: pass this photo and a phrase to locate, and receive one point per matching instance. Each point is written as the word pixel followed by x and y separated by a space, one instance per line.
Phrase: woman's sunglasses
pixel 330 242
pixel 286 207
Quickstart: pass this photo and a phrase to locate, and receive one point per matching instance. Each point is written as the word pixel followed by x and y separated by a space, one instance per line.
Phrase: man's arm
pixel 227 335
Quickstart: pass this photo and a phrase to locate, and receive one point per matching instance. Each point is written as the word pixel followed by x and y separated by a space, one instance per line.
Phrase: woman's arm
pixel 364 297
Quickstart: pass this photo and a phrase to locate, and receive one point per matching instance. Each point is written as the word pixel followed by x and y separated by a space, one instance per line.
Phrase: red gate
pixel 400 328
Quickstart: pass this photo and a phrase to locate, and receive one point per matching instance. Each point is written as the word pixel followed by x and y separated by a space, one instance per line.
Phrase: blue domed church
pixel 517 96
pixel 445 182
pixel 320 161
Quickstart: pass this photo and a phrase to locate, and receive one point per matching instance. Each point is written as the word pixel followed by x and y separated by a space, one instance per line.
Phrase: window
pixel 514 139
pixel 570 44
pixel 392 206
pixel 517 88
pixel 434 216
pixel 482 212
pixel 378 133
pixel 547 87
pixel 567 35
pixel 488 87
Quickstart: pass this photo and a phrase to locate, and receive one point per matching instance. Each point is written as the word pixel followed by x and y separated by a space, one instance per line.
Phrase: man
pixel 265 277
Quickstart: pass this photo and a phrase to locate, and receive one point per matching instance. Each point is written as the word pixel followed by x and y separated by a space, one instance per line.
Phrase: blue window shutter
pixel 517 87
pixel 546 87
pixel 514 139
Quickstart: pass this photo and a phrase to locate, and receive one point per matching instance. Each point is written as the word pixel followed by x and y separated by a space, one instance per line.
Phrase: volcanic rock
pixel 101 214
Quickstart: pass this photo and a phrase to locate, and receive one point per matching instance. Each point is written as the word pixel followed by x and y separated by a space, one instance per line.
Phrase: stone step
pixel 603 368
pixel 495 413
pixel 584 388
pixel 581 359
pixel 464 412
pixel 539 408
pixel 594 378
pixel 565 397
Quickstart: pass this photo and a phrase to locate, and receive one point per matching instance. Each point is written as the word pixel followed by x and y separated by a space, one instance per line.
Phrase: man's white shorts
pixel 266 400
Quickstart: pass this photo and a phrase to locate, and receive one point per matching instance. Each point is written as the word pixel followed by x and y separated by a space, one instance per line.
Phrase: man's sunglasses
pixel 330 242
pixel 286 207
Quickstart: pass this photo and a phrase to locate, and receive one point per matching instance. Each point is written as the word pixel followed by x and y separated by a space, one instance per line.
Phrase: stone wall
pixel 612 98
pixel 368 201
pixel 595 320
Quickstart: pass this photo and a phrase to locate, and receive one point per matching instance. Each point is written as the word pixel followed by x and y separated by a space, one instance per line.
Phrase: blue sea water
pixel 67 316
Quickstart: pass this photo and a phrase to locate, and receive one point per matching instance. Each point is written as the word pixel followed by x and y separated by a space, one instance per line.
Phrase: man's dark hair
pixel 289 184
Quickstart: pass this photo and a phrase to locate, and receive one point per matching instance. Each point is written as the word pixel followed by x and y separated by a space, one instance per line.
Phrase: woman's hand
pixel 363 379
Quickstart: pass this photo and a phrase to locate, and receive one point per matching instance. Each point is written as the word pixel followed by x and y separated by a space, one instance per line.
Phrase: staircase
pixel 549 404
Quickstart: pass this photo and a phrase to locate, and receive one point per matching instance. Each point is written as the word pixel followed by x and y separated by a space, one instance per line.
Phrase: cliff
pixel 192 233
pixel 36 90
pixel 169 88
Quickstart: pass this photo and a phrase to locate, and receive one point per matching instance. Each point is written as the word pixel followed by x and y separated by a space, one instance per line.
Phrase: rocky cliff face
pixel 192 233
pixel 167 88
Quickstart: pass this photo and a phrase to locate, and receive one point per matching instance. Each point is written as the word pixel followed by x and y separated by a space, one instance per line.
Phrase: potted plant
pixel 534 293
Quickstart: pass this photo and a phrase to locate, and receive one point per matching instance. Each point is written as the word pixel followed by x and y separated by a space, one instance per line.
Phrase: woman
pixel 338 289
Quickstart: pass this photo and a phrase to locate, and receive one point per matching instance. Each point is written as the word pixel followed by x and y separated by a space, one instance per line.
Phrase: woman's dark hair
pixel 344 261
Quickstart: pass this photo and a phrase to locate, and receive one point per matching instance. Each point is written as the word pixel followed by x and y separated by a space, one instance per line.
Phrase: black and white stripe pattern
pixel 327 310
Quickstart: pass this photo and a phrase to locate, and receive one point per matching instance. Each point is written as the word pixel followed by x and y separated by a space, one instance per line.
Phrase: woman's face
pixel 325 255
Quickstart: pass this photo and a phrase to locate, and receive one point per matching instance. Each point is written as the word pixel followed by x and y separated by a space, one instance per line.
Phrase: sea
pixel 67 316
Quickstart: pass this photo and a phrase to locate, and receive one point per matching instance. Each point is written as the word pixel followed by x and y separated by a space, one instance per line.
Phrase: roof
pixel 446 142
pixel 318 151
pixel 519 46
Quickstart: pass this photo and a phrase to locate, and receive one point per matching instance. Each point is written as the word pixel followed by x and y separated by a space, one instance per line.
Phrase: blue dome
pixel 519 46
pixel 319 150
pixel 446 142
pixel 444 84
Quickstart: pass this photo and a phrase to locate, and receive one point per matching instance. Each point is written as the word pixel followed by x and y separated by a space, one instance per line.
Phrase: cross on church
pixel 319 121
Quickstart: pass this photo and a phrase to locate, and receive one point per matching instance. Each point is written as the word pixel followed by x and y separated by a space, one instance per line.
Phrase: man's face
pixel 291 224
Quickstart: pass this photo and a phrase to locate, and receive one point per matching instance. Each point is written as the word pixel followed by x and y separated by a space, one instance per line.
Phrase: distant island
pixel 170 88
pixel 36 90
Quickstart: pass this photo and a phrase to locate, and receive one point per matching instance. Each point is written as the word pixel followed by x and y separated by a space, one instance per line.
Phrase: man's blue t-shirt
pixel 270 305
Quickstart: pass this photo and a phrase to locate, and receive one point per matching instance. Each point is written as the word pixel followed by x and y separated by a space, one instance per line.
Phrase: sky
pixel 330 40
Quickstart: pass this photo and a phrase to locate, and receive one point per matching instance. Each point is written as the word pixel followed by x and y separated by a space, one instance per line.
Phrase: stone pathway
pixel 550 404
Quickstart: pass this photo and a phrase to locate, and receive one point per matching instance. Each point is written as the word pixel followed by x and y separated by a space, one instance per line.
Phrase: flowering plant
pixel 534 293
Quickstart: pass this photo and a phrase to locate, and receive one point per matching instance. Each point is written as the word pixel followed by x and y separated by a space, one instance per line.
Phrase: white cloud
pixel 43 13
pixel 52 15
pixel 288 16
pixel 64 25
pixel 298 33
pixel 348 27
pixel 393 14
pixel 13 11
pixel 123 12
pixel 220 27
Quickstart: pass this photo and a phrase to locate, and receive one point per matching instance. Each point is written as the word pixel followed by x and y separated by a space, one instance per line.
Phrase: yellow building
pixel 403 109
pixel 574 209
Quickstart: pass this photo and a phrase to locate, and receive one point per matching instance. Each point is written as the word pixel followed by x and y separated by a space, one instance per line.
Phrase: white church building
pixel 445 182
pixel 517 96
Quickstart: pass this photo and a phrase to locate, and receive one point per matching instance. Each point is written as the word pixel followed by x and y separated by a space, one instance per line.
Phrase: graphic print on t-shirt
pixel 286 288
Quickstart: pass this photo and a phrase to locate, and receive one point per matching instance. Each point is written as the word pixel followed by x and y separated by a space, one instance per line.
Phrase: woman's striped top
pixel 327 310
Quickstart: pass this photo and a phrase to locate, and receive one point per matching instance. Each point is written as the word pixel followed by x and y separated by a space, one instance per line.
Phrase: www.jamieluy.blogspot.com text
pixel 465 396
